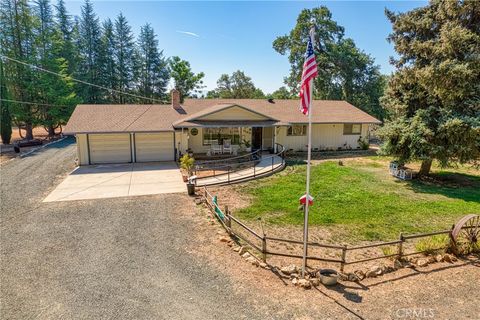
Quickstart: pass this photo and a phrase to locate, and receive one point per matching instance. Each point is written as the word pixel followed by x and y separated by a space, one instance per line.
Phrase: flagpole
pixel 309 157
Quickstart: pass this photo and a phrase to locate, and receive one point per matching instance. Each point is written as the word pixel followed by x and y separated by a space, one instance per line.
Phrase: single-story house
pixel 143 133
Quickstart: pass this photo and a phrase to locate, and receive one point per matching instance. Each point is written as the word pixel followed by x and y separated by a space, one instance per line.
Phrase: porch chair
pixel 227 146
pixel 215 147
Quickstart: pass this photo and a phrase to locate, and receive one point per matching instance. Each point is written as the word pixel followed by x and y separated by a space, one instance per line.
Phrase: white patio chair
pixel 215 147
pixel 227 146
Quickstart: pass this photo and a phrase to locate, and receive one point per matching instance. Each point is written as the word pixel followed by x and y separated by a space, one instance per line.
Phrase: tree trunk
pixel 425 167
pixel 51 131
pixel 29 131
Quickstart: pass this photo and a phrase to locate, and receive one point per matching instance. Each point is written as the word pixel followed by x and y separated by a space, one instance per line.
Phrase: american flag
pixel 310 71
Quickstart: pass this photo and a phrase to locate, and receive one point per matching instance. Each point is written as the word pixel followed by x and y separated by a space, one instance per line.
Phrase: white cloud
pixel 193 34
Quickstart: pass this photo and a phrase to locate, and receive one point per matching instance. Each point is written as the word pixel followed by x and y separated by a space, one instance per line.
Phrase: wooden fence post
pixel 344 256
pixel 228 222
pixel 400 246
pixel 264 248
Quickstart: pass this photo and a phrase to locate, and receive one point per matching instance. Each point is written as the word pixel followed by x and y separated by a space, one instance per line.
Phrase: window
pixel 219 134
pixel 349 128
pixel 297 130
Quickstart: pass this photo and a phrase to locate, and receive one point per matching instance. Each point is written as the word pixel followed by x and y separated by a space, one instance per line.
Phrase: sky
pixel 222 37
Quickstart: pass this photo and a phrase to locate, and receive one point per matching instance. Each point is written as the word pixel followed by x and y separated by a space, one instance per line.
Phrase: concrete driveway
pixel 119 180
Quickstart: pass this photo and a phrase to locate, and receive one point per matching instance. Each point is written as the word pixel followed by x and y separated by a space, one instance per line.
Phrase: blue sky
pixel 221 37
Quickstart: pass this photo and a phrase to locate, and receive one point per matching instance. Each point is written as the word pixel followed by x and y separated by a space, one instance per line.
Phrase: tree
pixel 125 57
pixel 66 28
pixel 89 45
pixel 434 96
pixel 5 117
pixel 18 42
pixel 345 72
pixel 184 80
pixel 153 69
pixel 236 86
pixel 281 93
pixel 108 76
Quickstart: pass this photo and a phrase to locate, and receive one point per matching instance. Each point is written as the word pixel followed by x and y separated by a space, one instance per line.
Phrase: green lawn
pixel 361 201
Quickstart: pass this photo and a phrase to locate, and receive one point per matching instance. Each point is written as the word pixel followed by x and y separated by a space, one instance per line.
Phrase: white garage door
pixel 154 146
pixel 109 148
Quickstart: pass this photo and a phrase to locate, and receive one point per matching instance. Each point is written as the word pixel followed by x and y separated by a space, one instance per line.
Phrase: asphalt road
pixel 120 258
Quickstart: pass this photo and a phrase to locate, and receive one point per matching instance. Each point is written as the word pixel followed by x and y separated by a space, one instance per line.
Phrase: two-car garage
pixel 99 148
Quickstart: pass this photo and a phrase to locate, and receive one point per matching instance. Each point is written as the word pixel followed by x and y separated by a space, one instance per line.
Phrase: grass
pixel 362 202
pixel 433 245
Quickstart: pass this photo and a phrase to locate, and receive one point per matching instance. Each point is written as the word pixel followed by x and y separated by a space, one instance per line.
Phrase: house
pixel 143 133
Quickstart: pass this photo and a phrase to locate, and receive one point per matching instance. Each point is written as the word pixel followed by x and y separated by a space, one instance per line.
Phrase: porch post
pixel 275 139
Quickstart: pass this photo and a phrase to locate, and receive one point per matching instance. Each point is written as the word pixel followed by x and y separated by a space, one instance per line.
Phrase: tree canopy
pixel 184 79
pixel 434 96
pixel 345 72
pixel 235 86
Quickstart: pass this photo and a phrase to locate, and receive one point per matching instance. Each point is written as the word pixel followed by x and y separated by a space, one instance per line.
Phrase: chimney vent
pixel 175 94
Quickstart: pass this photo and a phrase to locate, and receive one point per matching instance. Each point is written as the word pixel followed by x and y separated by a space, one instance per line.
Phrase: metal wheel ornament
pixel 465 234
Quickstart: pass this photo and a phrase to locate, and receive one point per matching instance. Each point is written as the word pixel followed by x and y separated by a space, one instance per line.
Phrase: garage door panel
pixel 154 147
pixel 110 148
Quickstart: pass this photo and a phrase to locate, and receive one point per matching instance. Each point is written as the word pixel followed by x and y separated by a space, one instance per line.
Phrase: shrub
pixel 363 143
pixel 187 163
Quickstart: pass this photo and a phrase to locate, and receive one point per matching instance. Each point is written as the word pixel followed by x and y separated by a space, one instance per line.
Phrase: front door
pixel 256 138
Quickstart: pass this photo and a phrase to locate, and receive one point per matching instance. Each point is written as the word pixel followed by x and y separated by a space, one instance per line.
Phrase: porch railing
pixel 224 171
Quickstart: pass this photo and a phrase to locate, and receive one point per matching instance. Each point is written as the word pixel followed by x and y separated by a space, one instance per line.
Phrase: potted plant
pixel 247 145
pixel 186 163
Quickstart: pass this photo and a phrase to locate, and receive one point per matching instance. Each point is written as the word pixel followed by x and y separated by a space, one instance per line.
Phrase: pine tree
pixel 17 42
pixel 107 61
pixel 5 117
pixel 125 57
pixel 65 27
pixel 89 45
pixel 153 71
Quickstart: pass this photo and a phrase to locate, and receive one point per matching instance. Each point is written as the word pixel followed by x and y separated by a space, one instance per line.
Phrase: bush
pixel 363 143
pixel 187 163
pixel 433 245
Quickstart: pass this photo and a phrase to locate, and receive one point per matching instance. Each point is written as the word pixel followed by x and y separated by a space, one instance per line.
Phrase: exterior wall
pixel 324 136
pixel 82 149
pixel 234 113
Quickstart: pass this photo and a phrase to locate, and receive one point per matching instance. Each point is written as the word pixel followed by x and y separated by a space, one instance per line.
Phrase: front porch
pixel 210 143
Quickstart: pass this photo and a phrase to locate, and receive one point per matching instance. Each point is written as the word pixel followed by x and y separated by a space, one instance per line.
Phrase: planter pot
pixel 328 277
pixel 191 189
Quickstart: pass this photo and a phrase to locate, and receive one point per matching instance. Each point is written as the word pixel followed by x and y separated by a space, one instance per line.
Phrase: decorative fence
pixel 226 167
pixel 227 220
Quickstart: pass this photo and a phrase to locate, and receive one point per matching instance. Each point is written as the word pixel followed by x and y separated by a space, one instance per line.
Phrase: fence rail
pixel 226 219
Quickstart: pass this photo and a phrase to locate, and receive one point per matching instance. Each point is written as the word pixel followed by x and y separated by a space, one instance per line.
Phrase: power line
pixel 34 103
pixel 81 81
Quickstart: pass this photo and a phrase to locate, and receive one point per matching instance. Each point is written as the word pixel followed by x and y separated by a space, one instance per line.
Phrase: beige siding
pixel 324 136
pixel 154 146
pixel 196 142
pixel 109 148
pixel 82 149
pixel 234 113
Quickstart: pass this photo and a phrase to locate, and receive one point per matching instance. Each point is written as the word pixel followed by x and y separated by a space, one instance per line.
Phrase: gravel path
pixel 121 258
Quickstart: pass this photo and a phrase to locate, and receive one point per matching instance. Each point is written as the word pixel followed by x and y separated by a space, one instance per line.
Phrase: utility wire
pixel 34 103
pixel 80 81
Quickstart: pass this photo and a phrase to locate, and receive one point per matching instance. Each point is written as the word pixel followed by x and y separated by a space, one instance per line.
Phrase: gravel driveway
pixel 121 258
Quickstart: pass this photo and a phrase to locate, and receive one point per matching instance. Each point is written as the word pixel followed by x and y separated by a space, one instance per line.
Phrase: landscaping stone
pixel 341 276
pixel 439 258
pixel 242 250
pixel 373 272
pixel 236 248
pixel 422 262
pixel 294 281
pixel 224 239
pixel 252 260
pixel 304 283
pixel 246 255
pixel 449 258
pixel 294 275
pixel 397 264
pixel 315 282
pixel 263 265
pixel 353 277
pixel 359 274
pixel 289 269
pixel 431 259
